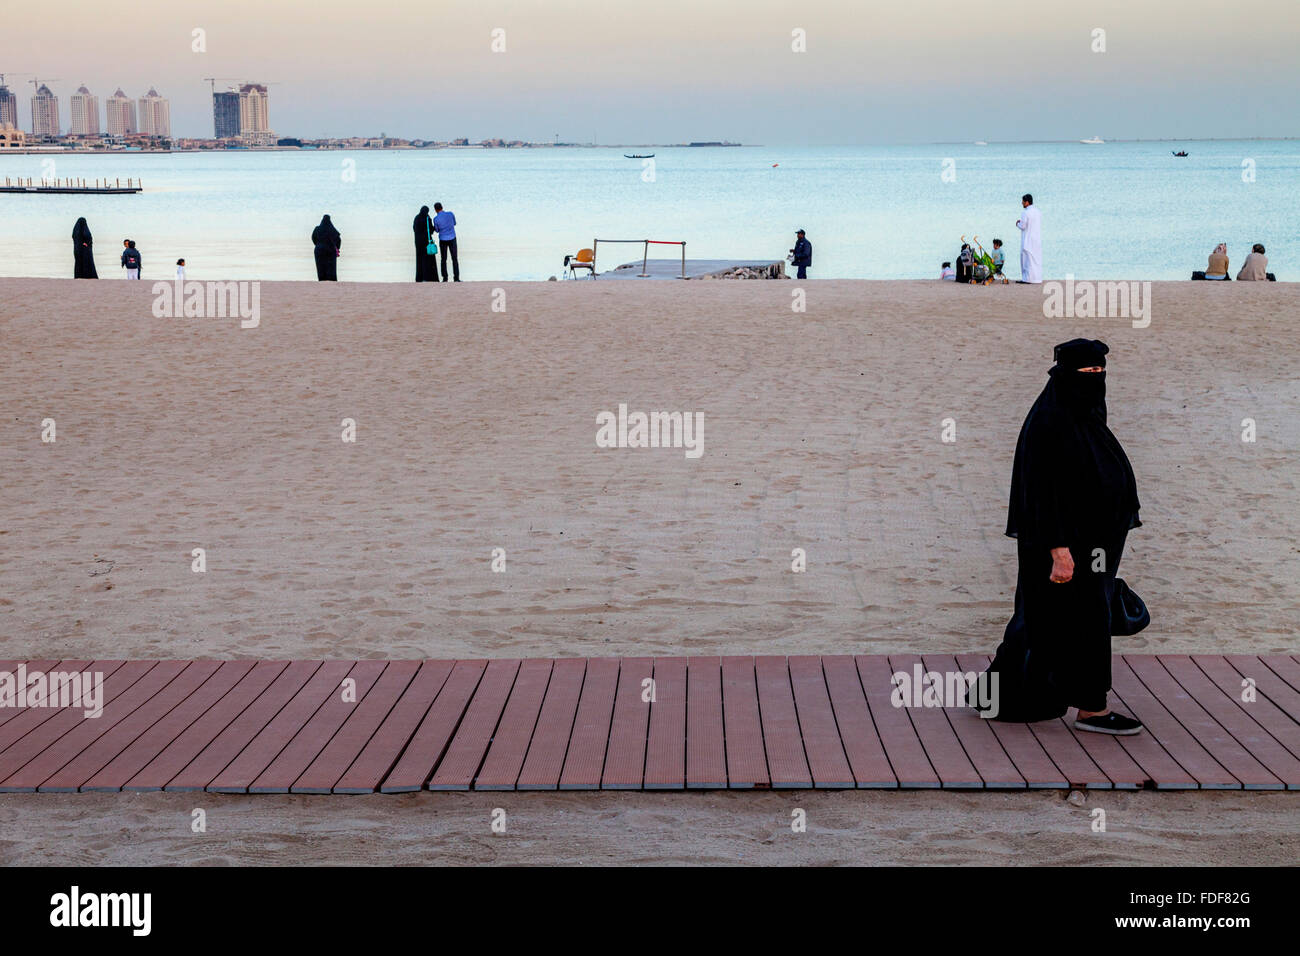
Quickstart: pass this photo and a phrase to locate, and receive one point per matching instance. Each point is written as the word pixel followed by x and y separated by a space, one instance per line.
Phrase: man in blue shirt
pixel 445 223
pixel 801 254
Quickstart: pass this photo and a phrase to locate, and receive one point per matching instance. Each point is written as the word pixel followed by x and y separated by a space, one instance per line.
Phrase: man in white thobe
pixel 1030 225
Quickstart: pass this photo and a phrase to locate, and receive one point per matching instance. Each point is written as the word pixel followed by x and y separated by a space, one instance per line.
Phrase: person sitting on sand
pixel 1255 268
pixel 999 257
pixel 965 263
pixel 1073 502
pixel 1217 268
pixel 947 272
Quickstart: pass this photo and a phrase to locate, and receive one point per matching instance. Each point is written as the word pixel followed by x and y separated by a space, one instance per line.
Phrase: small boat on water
pixel 638 155
pixel 1181 152
pixel 1095 141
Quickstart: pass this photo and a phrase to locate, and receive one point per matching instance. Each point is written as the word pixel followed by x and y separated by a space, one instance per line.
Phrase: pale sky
pixel 663 71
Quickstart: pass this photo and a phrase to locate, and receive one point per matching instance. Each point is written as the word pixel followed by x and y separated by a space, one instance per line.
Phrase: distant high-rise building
pixel 85 113
pixel 45 112
pixel 120 112
pixel 155 114
pixel 8 107
pixel 225 115
pixel 254 110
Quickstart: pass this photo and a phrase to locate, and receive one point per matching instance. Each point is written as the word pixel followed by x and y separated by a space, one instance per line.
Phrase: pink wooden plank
pixel 8 711
pixel 981 745
pixel 1285 668
pixel 351 738
pixel 742 724
pixel 430 740
pixel 1253 738
pixel 897 735
pixel 1031 761
pixel 73 775
pixel 821 735
pixel 787 763
pixel 89 729
pixel 1262 710
pixel 317 733
pixel 1268 683
pixel 266 746
pixel 665 758
pixel 625 756
pixel 706 753
pixel 467 748
pixel 546 751
pixel 505 758
pixel 586 757
pixel 173 758
pixel 238 733
pixel 866 755
pixel 1222 746
pixel 160 736
pixel 382 751
pixel 23 720
pixel 941 745
pixel 1139 702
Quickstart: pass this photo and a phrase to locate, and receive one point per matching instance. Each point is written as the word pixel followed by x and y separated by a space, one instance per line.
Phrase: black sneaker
pixel 1112 723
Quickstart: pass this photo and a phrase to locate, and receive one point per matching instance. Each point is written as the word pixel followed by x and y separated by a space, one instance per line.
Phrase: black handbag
pixel 1128 612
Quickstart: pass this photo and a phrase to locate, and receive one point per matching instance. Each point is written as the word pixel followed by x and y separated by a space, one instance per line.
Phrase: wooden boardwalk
pixel 670 723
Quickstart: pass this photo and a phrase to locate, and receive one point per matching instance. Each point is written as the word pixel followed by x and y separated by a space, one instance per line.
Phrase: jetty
pixel 96 186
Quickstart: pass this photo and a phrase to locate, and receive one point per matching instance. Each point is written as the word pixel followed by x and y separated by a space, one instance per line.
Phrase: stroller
pixel 983 272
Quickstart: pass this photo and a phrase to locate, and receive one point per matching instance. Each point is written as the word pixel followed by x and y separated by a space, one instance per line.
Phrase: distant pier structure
pixel 20 185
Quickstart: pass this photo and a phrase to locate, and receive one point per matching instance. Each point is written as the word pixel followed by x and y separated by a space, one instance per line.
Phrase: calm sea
pixel 1120 210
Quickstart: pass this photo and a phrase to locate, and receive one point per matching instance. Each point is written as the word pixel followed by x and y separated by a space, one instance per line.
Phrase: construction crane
pixel 36 84
pixel 212 82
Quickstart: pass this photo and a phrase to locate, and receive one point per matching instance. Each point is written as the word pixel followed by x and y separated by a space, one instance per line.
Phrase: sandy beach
pixel 475 430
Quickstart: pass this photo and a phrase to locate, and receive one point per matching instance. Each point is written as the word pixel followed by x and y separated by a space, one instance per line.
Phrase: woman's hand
pixel 1062 565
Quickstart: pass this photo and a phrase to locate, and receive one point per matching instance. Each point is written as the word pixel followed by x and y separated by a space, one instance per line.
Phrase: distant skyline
pixel 681 71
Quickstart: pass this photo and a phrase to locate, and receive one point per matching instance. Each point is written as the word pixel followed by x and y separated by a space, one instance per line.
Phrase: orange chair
pixel 585 259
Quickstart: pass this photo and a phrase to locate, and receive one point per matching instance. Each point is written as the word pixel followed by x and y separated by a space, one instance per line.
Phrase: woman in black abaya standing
pixel 327 242
pixel 426 264
pixel 83 251
pixel 1073 502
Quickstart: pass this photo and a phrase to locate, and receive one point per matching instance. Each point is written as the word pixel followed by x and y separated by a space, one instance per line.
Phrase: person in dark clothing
pixel 328 243
pixel 445 223
pixel 426 262
pixel 1073 502
pixel 965 263
pixel 801 254
pixel 131 261
pixel 83 251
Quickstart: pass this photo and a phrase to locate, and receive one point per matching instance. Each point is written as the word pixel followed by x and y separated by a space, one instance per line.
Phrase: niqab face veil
pixel 1071 477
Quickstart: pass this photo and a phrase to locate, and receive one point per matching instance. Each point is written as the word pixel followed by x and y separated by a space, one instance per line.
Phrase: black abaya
pixel 426 266
pixel 326 243
pixel 83 252
pixel 1071 487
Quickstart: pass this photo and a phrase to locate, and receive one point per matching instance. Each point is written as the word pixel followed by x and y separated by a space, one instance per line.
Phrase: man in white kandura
pixel 1030 225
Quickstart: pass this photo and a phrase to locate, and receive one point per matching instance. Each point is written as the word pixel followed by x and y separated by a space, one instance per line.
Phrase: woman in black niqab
pixel 326 243
pixel 1073 502
pixel 83 251
pixel 426 266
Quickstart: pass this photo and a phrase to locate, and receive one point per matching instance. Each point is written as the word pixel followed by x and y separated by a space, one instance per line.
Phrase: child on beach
pixel 180 269
pixel 999 257
pixel 947 272
pixel 130 259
